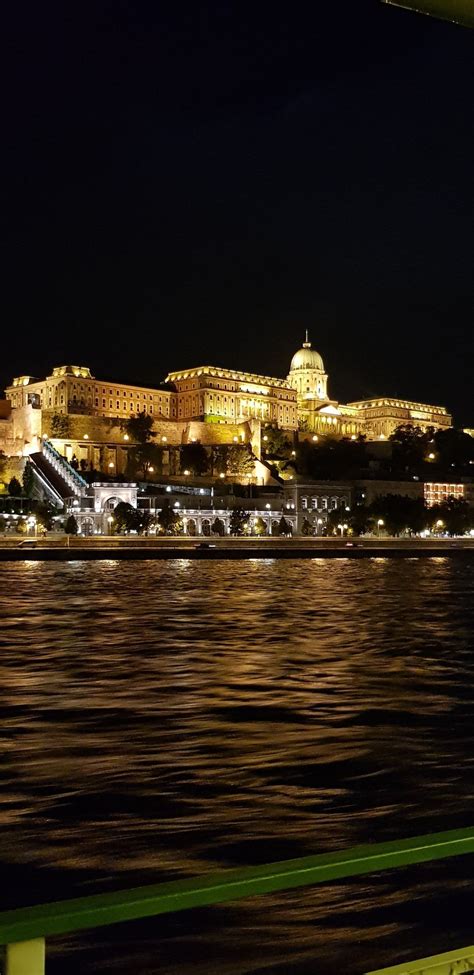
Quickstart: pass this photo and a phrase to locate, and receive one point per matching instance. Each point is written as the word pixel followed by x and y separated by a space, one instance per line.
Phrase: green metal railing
pixel 23 931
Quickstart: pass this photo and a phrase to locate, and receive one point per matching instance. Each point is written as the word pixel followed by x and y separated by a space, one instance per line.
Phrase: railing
pixel 74 480
pixel 23 931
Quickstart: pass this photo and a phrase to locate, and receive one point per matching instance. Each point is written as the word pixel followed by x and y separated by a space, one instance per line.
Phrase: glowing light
pixel 164 439
pixel 186 473
pixel 380 522
pixel 221 475
pixel 111 463
pixel 353 437
pixel 235 439
pixel 126 436
pixel 267 506
pixel 151 470
pixel 315 437
pixel 86 436
pixel 265 438
pixel 431 456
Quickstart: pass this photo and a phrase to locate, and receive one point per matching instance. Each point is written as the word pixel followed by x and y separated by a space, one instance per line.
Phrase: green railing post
pixel 25 957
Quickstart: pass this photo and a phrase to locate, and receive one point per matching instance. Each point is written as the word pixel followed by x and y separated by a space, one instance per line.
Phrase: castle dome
pixel 307 358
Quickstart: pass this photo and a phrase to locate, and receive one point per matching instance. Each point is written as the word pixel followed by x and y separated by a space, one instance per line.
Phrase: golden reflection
pixel 167 718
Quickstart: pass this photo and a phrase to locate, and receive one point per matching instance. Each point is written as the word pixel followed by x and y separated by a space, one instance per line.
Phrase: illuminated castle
pixel 206 403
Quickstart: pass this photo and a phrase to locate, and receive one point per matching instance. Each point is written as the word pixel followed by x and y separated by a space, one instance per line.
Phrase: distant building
pixel 209 404
pixel 225 395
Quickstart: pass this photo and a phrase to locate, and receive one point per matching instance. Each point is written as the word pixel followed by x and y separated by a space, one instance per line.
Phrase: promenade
pixel 140 548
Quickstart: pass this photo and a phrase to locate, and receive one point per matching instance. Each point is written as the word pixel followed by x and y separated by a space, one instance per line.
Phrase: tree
pixel 454 447
pixel 220 456
pixel 237 521
pixel 240 460
pixel 275 443
pixel 28 479
pixel 127 518
pixel 60 425
pixel 331 458
pixel 307 528
pixel 259 527
pixel 284 526
pixel 400 513
pixel 71 526
pixel 360 520
pixel 169 520
pixel 218 527
pixel 455 513
pixel 44 515
pixel 14 488
pixel 139 427
pixel 410 444
pixel 194 458
pixel 146 458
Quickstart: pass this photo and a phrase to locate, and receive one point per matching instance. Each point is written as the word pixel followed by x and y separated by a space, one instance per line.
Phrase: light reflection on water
pixel 165 719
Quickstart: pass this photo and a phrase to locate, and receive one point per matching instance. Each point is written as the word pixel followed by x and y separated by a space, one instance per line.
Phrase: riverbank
pixel 231 548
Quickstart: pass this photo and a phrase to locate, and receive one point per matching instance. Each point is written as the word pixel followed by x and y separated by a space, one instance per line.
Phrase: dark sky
pixel 196 182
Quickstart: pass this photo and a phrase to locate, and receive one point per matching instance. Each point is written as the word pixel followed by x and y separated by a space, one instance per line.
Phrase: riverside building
pixel 84 416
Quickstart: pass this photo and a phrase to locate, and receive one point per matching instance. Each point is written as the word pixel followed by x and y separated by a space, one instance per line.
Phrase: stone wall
pixel 10 467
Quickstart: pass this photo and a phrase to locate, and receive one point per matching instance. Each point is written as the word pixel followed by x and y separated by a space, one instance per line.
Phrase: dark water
pixel 162 720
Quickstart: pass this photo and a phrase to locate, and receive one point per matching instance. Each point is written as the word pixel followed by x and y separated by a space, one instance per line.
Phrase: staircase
pixel 55 476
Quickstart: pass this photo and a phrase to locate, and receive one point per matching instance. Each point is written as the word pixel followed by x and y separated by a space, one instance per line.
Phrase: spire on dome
pixel 306 343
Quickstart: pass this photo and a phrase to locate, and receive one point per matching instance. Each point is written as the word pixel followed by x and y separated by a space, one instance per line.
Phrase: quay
pixel 139 548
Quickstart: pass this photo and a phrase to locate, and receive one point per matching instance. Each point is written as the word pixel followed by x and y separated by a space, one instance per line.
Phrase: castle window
pixel 304 502
pixel 96 402
pixel 314 503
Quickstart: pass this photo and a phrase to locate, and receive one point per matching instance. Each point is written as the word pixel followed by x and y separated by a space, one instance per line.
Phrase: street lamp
pixel 380 524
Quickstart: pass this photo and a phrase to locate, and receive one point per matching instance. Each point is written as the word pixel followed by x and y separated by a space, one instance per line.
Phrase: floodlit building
pixel 84 417
pixel 223 395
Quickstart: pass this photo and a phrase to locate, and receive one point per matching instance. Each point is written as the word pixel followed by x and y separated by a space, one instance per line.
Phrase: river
pixel 166 719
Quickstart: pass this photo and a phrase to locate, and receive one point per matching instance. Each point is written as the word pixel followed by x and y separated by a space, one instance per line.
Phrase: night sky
pixel 190 183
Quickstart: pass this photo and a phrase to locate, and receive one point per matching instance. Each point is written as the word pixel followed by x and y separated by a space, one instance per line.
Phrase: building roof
pixel 307 358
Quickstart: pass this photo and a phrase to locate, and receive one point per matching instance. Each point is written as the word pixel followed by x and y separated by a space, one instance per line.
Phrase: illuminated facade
pixel 206 403
pixel 381 416
pixel 226 396
pixel 373 418
pixel 72 389
pixel 439 493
